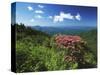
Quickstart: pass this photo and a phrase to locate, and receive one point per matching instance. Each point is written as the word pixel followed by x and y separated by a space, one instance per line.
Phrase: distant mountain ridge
pixel 63 30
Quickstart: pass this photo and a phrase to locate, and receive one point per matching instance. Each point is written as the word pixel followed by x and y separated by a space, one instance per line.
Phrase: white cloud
pixel 39 11
pixel 30 8
pixel 78 17
pixel 62 16
pixel 32 20
pixel 38 16
pixel 66 15
pixel 50 17
pixel 40 6
pixel 58 18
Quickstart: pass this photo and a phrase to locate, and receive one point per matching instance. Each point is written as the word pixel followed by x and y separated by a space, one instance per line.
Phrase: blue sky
pixel 33 14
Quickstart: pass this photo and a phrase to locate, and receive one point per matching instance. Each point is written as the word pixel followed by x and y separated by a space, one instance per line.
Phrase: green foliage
pixel 37 51
pixel 89 58
pixel 91 38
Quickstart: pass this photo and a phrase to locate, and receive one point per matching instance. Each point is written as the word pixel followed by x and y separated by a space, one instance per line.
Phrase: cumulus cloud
pixel 66 15
pixel 32 20
pixel 50 17
pixel 39 11
pixel 62 16
pixel 30 8
pixel 38 16
pixel 58 18
pixel 78 17
pixel 40 6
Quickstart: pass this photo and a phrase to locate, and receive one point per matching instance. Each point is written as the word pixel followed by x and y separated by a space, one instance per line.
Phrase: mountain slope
pixel 91 38
pixel 22 32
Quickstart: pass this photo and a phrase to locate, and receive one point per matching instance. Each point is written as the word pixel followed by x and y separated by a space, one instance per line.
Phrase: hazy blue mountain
pixel 63 30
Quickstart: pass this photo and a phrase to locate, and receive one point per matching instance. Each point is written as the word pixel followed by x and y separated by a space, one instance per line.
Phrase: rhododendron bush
pixel 75 46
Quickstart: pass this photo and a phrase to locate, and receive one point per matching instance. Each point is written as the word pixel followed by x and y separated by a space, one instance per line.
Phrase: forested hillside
pixel 91 38
pixel 39 51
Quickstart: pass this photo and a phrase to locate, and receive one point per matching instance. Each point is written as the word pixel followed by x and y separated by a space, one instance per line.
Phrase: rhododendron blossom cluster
pixel 68 41
pixel 73 44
